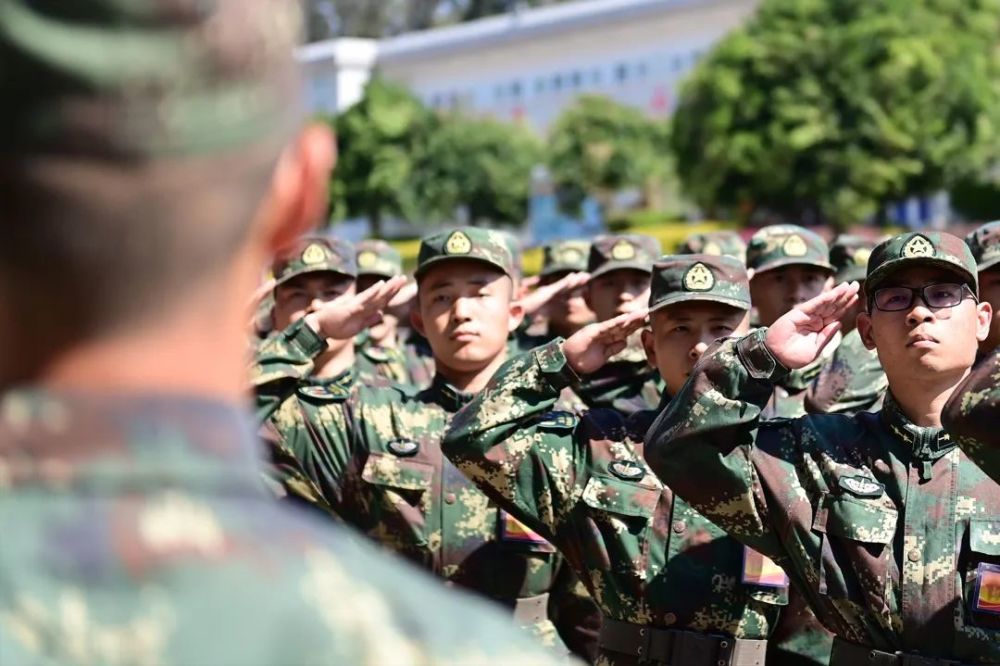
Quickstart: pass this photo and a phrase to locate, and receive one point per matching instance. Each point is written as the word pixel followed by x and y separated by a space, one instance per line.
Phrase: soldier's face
pixel 989 292
pixel 778 290
pixel 384 332
pixel 680 334
pixel 304 294
pixel 921 343
pixel 466 313
pixel 568 312
pixel 618 292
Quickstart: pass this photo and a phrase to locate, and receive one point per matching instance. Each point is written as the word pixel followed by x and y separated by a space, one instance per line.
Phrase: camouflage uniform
pixel 626 383
pixel 984 242
pixel 672 586
pixel 887 528
pixel 717 243
pixel 972 415
pixel 378 259
pixel 852 380
pixel 135 526
pixel 373 453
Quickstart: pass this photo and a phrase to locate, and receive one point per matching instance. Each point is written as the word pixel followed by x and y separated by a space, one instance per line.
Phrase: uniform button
pixel 679 526
pixel 450 498
pixel 669 619
pixel 913 555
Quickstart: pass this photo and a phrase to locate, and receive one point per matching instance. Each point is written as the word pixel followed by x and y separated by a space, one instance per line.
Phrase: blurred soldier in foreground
pixel 149 168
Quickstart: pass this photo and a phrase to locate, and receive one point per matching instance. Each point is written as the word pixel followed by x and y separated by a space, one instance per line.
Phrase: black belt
pixel 677 647
pixel 531 610
pixel 851 654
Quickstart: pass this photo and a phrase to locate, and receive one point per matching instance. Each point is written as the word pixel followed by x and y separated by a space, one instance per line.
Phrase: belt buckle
pixel 692 648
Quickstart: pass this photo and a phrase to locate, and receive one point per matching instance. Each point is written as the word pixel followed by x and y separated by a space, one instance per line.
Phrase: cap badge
pixel 571 255
pixel 794 246
pixel 458 243
pixel 367 259
pixel 918 246
pixel 699 278
pixel 861 256
pixel 313 254
pixel 713 249
pixel 623 251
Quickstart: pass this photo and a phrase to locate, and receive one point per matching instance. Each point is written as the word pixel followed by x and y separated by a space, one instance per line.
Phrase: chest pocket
pixel 621 502
pixel 412 476
pixel 981 571
pixel 856 537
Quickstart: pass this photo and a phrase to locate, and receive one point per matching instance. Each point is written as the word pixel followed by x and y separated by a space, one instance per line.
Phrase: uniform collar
pixel 116 442
pixel 446 395
pixel 926 444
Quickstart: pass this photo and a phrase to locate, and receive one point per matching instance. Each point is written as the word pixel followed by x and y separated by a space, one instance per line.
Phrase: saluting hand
pixel 347 315
pixel 590 348
pixel 539 298
pixel 797 338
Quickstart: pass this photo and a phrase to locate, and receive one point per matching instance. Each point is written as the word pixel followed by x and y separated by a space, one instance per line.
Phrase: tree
pixel 599 147
pixel 381 139
pixel 481 165
pixel 832 109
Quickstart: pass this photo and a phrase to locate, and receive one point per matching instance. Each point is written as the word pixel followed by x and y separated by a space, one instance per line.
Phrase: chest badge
pixel 987 598
pixel 628 470
pixel 862 486
pixel 404 448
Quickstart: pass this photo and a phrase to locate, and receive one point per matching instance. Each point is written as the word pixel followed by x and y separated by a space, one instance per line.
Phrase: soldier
pixel 985 245
pixel 673 588
pixel 379 348
pixel 972 414
pixel 788 265
pixel 718 243
pixel 852 379
pixel 884 525
pixel 568 312
pixel 373 452
pixel 150 165
pixel 619 267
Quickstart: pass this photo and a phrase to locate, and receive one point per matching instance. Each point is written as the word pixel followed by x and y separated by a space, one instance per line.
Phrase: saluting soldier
pixel 722 243
pixel 985 245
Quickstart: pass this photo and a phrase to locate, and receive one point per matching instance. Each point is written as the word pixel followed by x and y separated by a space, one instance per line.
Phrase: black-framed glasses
pixel 943 295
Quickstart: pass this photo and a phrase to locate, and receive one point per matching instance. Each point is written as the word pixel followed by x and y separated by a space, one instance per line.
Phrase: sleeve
pixel 852 381
pixel 706 445
pixel 515 448
pixel 972 415
pixel 575 615
pixel 280 363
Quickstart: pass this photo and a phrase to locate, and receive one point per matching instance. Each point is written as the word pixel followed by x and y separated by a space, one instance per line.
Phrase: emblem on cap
pixel 712 248
pixel 570 255
pixel 699 278
pixel 623 251
pixel 629 470
pixel 367 259
pixel 313 254
pixel 794 246
pixel 458 243
pixel 861 256
pixel 918 246
pixel 403 448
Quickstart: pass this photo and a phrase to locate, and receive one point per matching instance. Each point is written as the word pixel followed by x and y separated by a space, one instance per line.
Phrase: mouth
pixel 464 336
pixel 921 341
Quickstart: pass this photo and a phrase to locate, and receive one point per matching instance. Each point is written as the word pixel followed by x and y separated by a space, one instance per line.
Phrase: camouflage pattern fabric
pixel 315 254
pixel 786 245
pixel 621 251
pixel 852 380
pixel 646 556
pixel 136 531
pixel 849 257
pixel 373 360
pixel 716 243
pixel 984 242
pixel 626 383
pixel 565 257
pixel 471 243
pixel 972 415
pixel 373 452
pixel 934 248
pixel 419 359
pixel 886 527
pixel 378 258
pixel 699 277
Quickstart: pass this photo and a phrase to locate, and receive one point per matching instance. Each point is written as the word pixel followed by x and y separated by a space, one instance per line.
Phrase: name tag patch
pixel 987 599
pixel 761 570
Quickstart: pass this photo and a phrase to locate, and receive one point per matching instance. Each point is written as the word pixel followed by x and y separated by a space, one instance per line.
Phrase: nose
pixel 919 313
pixel 800 291
pixel 695 353
pixel 460 310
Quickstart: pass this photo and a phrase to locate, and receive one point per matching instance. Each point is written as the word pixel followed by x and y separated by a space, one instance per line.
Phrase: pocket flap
pixel 856 519
pixel 625 498
pixel 384 469
pixel 984 536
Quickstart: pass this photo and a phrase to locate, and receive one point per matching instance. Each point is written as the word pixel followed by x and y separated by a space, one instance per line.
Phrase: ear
pixel 515 315
pixel 297 198
pixel 647 345
pixel 864 324
pixel 417 320
pixel 984 315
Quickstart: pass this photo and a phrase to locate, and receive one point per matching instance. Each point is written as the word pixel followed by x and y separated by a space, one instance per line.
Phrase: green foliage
pixel 838 107
pixel 483 165
pixel 977 199
pixel 598 146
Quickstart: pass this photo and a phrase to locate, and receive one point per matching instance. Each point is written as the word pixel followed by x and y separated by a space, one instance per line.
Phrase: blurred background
pixel 559 119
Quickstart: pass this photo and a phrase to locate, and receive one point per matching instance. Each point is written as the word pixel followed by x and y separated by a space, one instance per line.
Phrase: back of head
pixel 137 140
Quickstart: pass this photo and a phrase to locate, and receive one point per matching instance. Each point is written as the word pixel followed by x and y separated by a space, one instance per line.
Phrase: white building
pixel 528 65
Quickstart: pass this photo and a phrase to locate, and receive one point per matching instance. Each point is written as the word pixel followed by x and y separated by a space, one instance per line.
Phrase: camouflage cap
pixel 718 243
pixel 934 248
pixel 786 245
pixel 514 247
pixel 315 254
pixel 985 245
pixel 565 257
pixel 376 257
pixel 849 256
pixel 144 78
pixel 699 277
pixel 467 243
pixel 621 251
